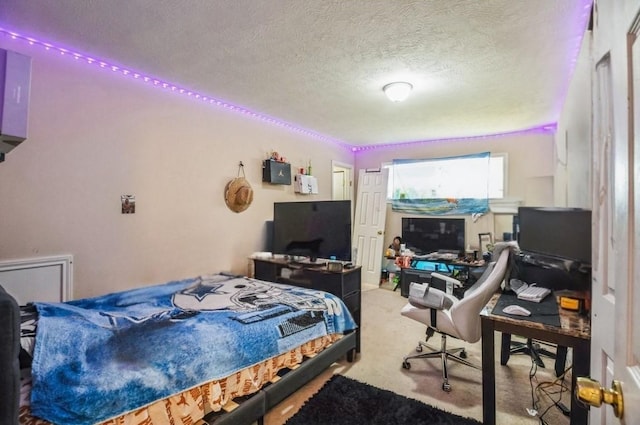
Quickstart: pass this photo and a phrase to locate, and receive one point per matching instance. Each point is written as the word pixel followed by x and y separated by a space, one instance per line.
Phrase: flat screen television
pixel 563 233
pixel 424 235
pixel 313 229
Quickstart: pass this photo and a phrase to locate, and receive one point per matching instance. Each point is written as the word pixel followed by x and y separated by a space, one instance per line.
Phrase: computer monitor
pixel 555 246
pixel 563 233
pixel 424 235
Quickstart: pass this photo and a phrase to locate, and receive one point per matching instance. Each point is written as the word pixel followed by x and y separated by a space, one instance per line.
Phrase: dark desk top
pixel 475 263
pixel 320 266
pixel 452 261
pixel 571 322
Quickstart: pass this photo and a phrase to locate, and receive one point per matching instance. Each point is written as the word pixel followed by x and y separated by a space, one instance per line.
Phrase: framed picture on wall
pixel 485 242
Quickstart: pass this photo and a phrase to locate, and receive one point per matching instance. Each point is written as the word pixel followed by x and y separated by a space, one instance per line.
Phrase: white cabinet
pixel 305 184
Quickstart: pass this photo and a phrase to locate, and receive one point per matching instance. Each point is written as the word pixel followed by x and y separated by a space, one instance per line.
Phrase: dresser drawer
pixel 352 301
pixel 351 282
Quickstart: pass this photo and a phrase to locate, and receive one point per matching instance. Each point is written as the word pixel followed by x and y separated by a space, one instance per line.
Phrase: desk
pixel 421 268
pixel 574 332
pixel 449 263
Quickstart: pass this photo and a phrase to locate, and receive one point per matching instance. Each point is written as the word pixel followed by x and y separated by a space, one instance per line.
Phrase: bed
pixel 217 349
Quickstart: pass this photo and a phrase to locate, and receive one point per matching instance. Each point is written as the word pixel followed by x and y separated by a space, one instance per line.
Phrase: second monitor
pixel 424 235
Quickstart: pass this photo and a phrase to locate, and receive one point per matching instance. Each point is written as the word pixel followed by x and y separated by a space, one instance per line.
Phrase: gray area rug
pixel 344 401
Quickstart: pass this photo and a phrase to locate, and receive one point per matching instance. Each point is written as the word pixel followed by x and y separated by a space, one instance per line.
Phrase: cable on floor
pixel 534 402
pixel 543 389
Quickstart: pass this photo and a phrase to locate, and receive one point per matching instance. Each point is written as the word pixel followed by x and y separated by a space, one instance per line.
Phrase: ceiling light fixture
pixel 398 91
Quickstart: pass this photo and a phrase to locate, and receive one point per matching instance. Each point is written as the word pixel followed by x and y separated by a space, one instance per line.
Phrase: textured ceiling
pixel 477 67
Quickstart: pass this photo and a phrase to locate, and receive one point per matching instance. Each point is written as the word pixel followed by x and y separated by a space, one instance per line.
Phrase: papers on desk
pixel 438 256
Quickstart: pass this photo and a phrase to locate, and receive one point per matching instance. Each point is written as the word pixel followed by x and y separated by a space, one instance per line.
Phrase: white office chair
pixel 448 315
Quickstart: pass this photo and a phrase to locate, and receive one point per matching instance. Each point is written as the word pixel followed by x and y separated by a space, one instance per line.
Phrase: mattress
pixel 192 405
pixel 171 353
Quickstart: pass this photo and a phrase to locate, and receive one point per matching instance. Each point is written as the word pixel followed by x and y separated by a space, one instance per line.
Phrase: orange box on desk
pixel 569 303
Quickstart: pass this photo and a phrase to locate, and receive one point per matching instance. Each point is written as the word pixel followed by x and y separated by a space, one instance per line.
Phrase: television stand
pixel 307 263
pixel 345 284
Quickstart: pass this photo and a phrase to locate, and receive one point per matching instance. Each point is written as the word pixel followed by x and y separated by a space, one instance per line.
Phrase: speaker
pixel 268 236
pixel 515 229
pixel 334 266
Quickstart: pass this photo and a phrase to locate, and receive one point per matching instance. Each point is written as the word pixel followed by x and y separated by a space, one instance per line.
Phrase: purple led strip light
pixel 164 84
pixel 547 128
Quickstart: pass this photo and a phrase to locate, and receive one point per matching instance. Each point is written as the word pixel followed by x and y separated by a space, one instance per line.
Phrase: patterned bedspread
pixel 98 358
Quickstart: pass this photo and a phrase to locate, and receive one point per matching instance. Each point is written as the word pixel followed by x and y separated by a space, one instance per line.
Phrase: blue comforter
pixel 101 357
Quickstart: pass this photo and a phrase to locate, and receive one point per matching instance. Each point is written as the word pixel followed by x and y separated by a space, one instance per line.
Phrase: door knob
pixel 379 232
pixel 591 392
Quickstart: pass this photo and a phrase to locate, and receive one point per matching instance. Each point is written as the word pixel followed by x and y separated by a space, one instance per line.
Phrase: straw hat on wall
pixel 238 194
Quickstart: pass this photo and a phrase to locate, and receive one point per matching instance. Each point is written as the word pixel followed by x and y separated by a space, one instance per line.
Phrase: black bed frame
pixel 258 404
pixel 250 409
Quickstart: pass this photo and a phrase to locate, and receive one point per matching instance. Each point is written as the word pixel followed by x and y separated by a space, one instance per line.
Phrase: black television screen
pixel 563 233
pixel 314 229
pixel 424 235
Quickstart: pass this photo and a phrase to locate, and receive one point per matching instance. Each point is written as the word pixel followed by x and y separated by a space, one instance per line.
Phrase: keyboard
pixel 533 293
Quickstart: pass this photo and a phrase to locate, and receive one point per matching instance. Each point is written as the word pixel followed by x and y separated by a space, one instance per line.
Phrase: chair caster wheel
pixel 419 348
pixel 446 387
pixel 406 365
pixel 463 354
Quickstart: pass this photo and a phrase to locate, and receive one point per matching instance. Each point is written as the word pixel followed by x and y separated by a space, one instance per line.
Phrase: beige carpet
pixel 387 337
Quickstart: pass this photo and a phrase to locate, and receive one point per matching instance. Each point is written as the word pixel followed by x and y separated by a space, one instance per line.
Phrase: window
pixel 450 177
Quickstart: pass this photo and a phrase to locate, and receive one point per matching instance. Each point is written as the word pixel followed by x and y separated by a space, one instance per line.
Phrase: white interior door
pixel 615 298
pixel 342 182
pixel 368 232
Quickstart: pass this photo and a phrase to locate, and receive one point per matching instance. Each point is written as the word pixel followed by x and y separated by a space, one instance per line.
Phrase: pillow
pixel 28 326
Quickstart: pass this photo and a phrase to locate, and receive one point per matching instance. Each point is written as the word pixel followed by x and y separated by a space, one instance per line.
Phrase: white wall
pixel 573 141
pixel 95 135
